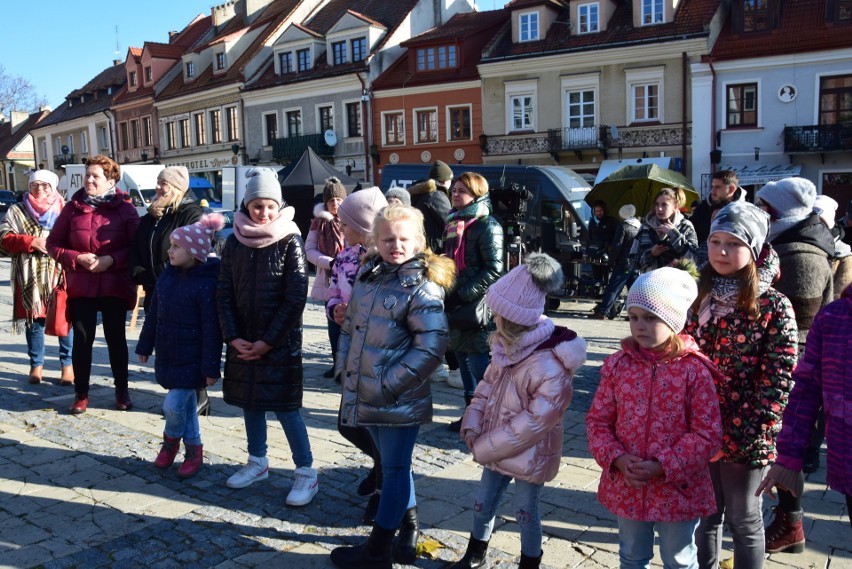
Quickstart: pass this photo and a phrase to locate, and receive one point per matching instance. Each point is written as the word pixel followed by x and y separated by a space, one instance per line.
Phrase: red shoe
pixel 192 460
pixel 79 405
pixel 785 533
pixel 168 452
pixel 122 399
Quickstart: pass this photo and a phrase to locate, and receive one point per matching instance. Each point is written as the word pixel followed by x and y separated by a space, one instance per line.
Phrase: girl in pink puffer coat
pixel 513 425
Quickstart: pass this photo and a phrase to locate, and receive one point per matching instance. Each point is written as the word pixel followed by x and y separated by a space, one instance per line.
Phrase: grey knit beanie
pixel 262 184
pixel 790 198
pixel 399 193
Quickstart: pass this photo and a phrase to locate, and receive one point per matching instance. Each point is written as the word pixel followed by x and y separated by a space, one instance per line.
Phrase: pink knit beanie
pixel 667 292
pixel 520 295
pixel 359 209
pixel 196 239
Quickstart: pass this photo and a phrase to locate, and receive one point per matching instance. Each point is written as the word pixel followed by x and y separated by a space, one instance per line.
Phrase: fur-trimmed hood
pixel 322 213
pixel 438 268
pixel 422 188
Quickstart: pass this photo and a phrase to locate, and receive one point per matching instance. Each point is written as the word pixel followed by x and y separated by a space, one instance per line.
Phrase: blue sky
pixel 59 46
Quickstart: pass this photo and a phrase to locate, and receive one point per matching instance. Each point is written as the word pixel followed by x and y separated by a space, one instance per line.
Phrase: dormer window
pixel 755 16
pixel 528 26
pixel 190 70
pixel 338 51
pixel 303 59
pixel 220 61
pixel 285 62
pixel 589 16
pixel 359 49
pixel 652 12
pixel 149 75
pixel 440 57
pixel 131 78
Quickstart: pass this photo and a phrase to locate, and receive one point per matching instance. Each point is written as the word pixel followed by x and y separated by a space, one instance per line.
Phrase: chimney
pixel 18 118
pixel 172 35
pixel 253 9
pixel 223 13
pixel 45 108
pixel 2 118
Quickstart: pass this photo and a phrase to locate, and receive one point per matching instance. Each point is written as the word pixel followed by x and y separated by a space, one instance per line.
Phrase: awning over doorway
pixel 754 174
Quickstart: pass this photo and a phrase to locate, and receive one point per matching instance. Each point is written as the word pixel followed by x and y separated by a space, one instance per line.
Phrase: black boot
pixel 405 548
pixel 530 562
pixel 375 553
pixel 368 485
pixel 474 556
pixel 455 426
pixel 203 402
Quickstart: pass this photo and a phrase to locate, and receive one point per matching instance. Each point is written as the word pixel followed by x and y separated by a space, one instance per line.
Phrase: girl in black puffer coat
pixel 263 286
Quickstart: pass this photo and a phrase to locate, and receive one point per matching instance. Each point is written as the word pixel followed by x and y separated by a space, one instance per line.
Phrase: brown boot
pixel 67 377
pixel 35 374
pixel 785 533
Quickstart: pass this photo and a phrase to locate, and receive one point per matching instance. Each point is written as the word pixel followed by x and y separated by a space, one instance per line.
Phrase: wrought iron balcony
pixel 292 147
pixel 64 159
pixel 583 138
pixel 528 143
pixel 818 138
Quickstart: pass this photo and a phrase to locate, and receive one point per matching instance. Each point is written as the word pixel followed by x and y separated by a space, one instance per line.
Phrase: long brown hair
pixel 748 285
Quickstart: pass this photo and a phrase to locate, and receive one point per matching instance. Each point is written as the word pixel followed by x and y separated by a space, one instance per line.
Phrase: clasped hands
pixel 94 263
pixel 250 351
pixel 637 471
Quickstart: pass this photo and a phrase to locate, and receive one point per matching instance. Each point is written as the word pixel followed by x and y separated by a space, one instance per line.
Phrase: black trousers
pixel 84 319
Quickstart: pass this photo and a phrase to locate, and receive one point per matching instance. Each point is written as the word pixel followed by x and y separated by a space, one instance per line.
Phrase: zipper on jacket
pixel 151 248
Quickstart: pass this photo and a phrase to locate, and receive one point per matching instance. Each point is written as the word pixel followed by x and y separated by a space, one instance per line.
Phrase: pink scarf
pixel 258 236
pixel 44 210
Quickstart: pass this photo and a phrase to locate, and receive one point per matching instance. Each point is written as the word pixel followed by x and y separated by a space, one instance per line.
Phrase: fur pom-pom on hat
pixel 334 188
pixel 197 239
pixel 520 295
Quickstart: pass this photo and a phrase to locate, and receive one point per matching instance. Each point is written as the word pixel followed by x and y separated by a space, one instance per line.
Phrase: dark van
pixel 556 217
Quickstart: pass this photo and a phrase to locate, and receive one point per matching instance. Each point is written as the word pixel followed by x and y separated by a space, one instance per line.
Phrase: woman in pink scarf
pixel 23 236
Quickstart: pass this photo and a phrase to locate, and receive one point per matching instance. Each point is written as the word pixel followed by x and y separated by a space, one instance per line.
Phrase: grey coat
pixel 393 338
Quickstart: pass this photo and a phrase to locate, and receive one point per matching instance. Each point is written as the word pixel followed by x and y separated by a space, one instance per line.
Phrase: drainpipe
pixel 713 111
pixel 685 65
pixel 369 173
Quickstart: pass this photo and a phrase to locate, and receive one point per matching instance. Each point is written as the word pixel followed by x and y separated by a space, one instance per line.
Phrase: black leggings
pixel 360 437
pixel 84 319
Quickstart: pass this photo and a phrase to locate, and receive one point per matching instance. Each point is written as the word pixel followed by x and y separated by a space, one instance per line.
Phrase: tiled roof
pixel 383 13
pixel 114 76
pixel 515 4
pixel 473 31
pixel 136 52
pixel 164 50
pixel 8 139
pixel 691 19
pixel 271 17
pixel 803 28
pixel 193 31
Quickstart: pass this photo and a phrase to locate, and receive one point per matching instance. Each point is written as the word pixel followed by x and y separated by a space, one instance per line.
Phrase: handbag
pixel 57 322
pixel 473 315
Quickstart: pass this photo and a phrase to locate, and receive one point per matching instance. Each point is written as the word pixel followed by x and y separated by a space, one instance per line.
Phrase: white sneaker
pixel 440 375
pixel 305 487
pixel 257 468
pixel 454 379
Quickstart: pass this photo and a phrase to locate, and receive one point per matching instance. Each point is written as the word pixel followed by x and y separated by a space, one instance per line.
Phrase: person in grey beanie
pixel 398 195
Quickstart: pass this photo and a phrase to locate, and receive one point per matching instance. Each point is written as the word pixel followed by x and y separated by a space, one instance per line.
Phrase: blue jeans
pixel 677 544
pixel 35 344
pixel 737 506
pixel 491 488
pixel 181 417
pixel 395 445
pixel 620 278
pixel 472 369
pixel 294 430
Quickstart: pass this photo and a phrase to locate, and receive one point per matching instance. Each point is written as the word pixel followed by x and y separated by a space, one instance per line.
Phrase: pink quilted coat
pixel 667 411
pixel 517 409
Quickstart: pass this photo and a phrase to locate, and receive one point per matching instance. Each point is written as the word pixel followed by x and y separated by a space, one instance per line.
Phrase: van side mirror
pixel 574 230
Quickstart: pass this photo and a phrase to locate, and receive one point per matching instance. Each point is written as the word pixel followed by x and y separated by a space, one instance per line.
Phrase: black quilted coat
pixel 261 295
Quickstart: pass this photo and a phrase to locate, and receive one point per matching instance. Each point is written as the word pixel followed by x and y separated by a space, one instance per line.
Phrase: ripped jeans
pixel 488 496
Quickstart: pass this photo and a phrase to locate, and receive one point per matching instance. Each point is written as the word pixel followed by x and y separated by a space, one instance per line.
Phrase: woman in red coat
pixel 92 239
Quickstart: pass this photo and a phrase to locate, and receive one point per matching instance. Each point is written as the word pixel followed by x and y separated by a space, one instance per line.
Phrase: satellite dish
pixel 614 131
pixel 330 137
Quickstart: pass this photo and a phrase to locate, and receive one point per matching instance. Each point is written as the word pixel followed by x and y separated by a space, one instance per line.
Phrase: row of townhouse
pixel 760 86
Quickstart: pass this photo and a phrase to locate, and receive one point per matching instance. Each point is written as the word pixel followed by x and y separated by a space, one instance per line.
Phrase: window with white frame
pixel 353 119
pixel 84 142
pixel 458 123
pixel 183 130
pixel 325 114
pixel 393 128
pixel 171 135
pixel 190 70
pixel 285 62
pixel 741 105
pixel 43 149
pixel 232 124
pixel 652 12
pixel 338 52
pixel 70 144
pixel 215 126
pixel 426 121
pixel 521 106
pixel 303 58
pixel 359 49
pixel 270 128
pixel 645 94
pixel 200 129
pixel 104 139
pixel 528 26
pixel 588 14
pixel 580 110
pixel 132 79
pixel 147 133
pixel 58 144
pixel 220 61
pixel 294 123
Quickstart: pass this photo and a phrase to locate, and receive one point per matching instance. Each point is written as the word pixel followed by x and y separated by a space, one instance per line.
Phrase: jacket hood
pixel 633 222
pixel 322 213
pixel 568 347
pixel 438 269
pixel 209 269
pixel 809 231
pixel 424 187
pixel 690 348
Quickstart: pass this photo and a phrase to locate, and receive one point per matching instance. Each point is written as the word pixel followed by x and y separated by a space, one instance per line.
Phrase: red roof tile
pixel 9 139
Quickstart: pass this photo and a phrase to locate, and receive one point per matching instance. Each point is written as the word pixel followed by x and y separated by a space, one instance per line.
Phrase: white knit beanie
pixel 45 176
pixel 789 198
pixel 667 292
pixel 520 295
pixel 826 208
pixel 358 210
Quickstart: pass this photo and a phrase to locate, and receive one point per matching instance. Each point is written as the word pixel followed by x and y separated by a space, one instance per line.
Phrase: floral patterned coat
pixel 757 358
pixel 664 410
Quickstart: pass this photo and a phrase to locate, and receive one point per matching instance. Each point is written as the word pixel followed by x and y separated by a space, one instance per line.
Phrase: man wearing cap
pixel 431 198
pixel 624 270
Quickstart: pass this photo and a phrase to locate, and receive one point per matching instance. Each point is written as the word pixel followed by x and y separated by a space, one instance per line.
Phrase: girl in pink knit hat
pixel 513 425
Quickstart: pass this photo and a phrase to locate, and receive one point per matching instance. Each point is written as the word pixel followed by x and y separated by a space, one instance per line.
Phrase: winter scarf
pixel 330 239
pixel 97 201
pixel 652 221
pixel 44 211
pixel 259 236
pixel 504 354
pixel 722 300
pixel 457 222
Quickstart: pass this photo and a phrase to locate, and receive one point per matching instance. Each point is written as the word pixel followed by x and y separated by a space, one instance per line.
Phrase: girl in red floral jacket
pixel 654 425
pixel 748 330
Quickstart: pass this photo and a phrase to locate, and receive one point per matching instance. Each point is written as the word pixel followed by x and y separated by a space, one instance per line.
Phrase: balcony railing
pixel 292 147
pixel 818 138
pixel 64 159
pixel 649 136
pixel 577 138
pixel 530 143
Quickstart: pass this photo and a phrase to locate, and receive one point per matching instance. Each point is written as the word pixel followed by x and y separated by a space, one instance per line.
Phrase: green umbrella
pixel 638 185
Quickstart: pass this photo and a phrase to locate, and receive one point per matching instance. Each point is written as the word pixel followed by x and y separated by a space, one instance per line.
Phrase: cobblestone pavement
pixel 81 491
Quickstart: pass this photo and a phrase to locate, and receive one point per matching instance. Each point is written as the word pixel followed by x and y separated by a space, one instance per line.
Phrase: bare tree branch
pixel 18 94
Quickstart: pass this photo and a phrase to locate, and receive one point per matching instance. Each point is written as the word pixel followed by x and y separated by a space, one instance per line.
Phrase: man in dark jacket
pixel 432 199
pixel 624 270
pixel 724 189
pixel 601 232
